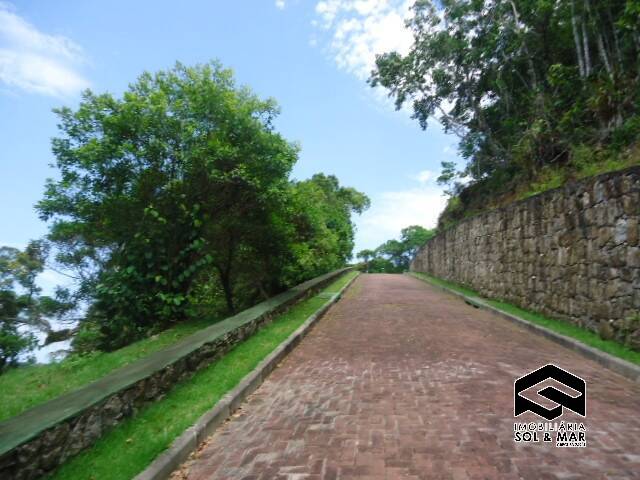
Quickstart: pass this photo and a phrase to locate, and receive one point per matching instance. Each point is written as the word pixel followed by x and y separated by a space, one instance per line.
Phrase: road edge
pixel 618 365
pixel 179 451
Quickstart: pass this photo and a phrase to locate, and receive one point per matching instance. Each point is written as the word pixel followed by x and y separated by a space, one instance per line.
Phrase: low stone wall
pixel 42 438
pixel 571 253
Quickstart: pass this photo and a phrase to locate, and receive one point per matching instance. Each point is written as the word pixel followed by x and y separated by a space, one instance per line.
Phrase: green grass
pixel 585 336
pixel 502 189
pixel 585 162
pixel 131 446
pixel 27 386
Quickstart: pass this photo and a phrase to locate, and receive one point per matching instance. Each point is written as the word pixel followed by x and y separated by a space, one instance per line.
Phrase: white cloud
pixel 354 31
pixel 424 176
pixel 392 211
pixel 360 29
pixel 37 62
pixel 280 4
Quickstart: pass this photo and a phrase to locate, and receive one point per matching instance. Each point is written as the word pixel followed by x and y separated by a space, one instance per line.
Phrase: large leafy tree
pixel 177 194
pixel 183 174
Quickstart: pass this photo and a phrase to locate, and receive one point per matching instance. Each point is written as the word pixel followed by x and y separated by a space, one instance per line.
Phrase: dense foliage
pixel 529 86
pixel 395 256
pixel 323 233
pixel 177 196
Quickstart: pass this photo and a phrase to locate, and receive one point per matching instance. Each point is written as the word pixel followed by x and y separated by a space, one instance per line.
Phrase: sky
pixel 312 56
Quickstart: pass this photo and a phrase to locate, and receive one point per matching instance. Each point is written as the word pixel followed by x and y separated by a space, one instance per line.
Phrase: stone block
pixel 633 257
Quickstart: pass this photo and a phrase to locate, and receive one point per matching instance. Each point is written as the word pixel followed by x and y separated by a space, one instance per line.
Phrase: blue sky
pixel 312 56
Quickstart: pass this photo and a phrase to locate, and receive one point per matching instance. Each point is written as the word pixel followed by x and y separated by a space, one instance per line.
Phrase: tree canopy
pixel 525 84
pixel 179 191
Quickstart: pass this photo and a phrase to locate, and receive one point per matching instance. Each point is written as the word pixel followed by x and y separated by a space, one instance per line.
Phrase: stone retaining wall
pixel 42 438
pixel 571 253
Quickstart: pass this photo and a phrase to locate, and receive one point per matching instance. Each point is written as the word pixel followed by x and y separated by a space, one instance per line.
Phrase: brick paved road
pixel 400 380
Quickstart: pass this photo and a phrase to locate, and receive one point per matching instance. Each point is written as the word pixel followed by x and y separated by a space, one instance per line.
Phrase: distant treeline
pixel 171 202
pixel 395 256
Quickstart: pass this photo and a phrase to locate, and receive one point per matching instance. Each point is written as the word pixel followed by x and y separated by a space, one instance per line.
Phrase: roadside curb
pixel 618 365
pixel 179 451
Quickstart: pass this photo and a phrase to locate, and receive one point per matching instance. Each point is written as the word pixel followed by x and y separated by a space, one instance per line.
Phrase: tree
pixel 395 256
pixel 524 84
pixel 22 309
pixel 179 176
pixel 413 238
pixel 179 191
pixel 395 252
pixel 323 230
pixel 366 255
pixel 380 264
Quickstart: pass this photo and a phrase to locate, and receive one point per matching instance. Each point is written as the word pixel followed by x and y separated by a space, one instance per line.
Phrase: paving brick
pixel 400 380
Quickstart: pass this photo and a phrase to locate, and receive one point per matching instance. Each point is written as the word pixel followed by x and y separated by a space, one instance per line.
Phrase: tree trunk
pixel 263 292
pixel 599 40
pixel 225 273
pixel 604 56
pixel 587 54
pixel 576 39
pixel 532 69
pixel 616 39
pixel 228 291
pixel 636 40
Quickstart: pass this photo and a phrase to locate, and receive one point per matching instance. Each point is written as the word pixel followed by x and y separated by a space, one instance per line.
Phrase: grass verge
pixel 582 335
pixel 30 385
pixel 127 449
